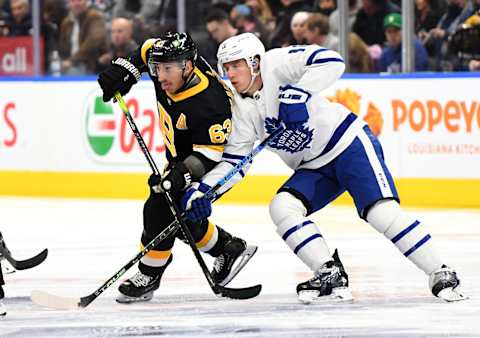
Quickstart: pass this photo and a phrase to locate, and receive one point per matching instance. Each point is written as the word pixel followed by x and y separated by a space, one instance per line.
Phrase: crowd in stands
pixel 87 35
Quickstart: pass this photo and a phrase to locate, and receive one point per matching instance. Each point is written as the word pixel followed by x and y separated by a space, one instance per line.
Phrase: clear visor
pixel 170 67
pixel 222 61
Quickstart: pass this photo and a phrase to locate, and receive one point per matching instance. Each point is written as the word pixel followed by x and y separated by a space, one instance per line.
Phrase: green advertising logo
pixel 100 126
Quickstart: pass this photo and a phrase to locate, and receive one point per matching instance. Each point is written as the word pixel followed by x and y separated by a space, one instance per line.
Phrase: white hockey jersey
pixel 329 130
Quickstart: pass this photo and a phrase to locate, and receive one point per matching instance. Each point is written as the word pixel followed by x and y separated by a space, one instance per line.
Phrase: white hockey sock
pixel 300 234
pixel 406 232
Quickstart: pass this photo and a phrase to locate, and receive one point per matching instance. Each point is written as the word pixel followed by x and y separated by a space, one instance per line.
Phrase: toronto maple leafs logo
pixel 291 141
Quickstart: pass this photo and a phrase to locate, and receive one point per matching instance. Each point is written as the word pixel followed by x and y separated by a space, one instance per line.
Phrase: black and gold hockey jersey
pixel 197 118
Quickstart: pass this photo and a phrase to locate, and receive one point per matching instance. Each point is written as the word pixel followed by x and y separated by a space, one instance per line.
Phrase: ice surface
pixel 89 240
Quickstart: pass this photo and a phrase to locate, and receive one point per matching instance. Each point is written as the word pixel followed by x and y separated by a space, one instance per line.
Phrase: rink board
pixel 57 138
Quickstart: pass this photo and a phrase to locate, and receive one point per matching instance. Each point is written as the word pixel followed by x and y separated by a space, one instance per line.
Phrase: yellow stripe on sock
pixel 207 237
pixel 157 254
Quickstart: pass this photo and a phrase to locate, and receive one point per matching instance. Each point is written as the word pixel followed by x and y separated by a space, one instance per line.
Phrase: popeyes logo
pixel 431 115
pixel 417 115
pixel 351 100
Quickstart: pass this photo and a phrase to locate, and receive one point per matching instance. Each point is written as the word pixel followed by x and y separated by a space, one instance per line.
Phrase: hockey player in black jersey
pixel 195 121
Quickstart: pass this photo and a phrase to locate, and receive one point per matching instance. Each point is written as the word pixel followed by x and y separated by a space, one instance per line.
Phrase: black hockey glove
pixel 120 76
pixel 177 179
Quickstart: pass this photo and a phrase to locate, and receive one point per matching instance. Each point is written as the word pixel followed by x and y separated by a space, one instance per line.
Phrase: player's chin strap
pixel 254 76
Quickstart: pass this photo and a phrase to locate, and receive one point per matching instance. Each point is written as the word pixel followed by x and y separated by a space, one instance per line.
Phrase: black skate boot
pixel 140 287
pixel 228 264
pixel 444 282
pixel 329 283
pixel 3 310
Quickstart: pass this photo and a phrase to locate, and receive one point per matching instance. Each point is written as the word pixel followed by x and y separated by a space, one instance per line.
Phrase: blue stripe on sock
pixel 294 228
pixel 309 239
pixel 416 246
pixel 232 156
pixel 405 231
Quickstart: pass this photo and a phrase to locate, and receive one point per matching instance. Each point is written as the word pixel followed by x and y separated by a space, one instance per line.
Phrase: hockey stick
pixel 21 264
pixel 243 293
pixel 59 302
pixel 212 193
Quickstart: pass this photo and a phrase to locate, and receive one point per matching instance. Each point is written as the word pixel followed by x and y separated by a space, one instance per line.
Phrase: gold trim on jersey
pixel 145 47
pixel 182 122
pixel 211 147
pixel 199 87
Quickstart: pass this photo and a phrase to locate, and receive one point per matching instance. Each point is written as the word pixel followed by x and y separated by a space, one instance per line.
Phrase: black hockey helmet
pixel 170 47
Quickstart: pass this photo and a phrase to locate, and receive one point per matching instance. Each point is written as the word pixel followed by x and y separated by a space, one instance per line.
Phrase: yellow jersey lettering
pixel 219 133
pixel 166 127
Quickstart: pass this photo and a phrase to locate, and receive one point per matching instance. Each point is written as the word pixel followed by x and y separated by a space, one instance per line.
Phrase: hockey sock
pixel 406 232
pixel 221 238
pixel 154 262
pixel 300 233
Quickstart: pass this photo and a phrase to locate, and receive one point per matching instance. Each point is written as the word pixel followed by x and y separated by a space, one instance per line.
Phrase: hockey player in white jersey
pixel 329 148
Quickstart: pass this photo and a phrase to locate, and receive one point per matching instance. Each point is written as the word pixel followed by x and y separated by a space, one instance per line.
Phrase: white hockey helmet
pixel 243 46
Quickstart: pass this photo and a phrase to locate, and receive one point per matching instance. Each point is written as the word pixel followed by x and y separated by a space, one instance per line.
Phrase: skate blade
pixel 342 294
pixel 242 260
pixel 124 299
pixel 3 310
pixel 451 295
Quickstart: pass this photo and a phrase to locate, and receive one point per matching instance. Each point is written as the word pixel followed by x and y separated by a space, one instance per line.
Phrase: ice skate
pixel 226 266
pixel 330 283
pixel 444 284
pixel 138 288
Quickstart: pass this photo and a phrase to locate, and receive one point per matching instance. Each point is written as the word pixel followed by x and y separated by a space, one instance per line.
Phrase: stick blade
pixel 30 262
pixel 55 302
pixel 243 293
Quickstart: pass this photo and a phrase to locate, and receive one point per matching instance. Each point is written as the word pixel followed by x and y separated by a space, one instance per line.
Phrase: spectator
pixel 121 42
pixel 261 10
pixel 464 46
pixel 474 65
pixel 55 11
pixel 282 35
pixel 334 18
pixel 369 20
pixel 318 32
pixel 20 23
pixel 474 20
pixel 391 58
pixel 238 14
pixel 297 26
pixel 149 17
pixel 82 37
pixel 437 41
pixel 146 10
pixel 427 15
pixel 325 7
pixel 359 57
pixel 220 29
pixel 244 21
pixel 219 26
